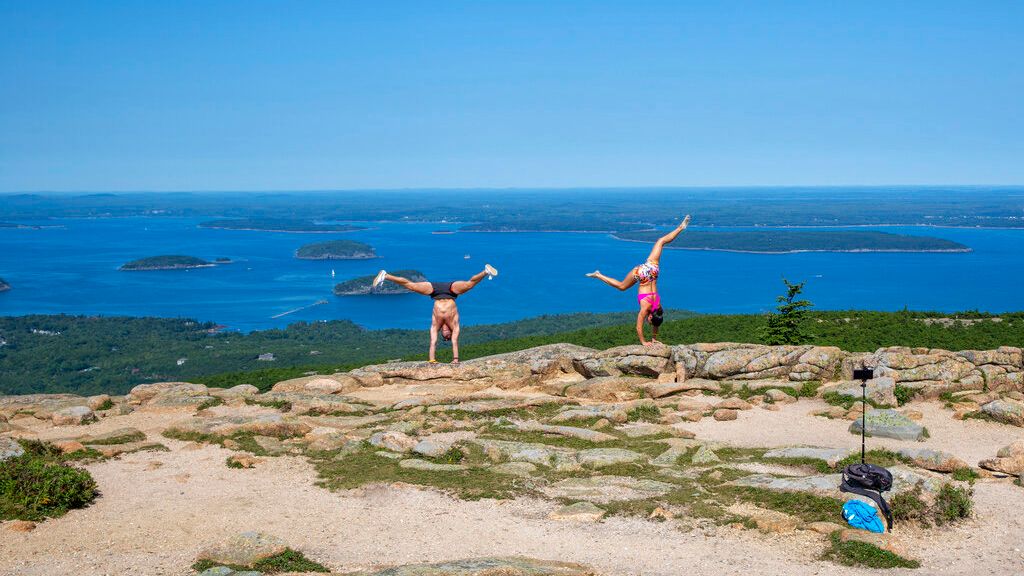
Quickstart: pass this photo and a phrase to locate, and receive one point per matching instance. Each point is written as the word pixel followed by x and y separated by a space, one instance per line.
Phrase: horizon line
pixel 499 189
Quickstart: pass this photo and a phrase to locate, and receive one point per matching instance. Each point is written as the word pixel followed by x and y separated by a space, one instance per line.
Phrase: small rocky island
pixel 172 262
pixel 336 250
pixel 4 286
pixel 278 225
pixel 361 286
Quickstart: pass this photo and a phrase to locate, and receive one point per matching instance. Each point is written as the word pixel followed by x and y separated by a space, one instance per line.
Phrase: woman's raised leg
pixel 655 255
pixel 623 284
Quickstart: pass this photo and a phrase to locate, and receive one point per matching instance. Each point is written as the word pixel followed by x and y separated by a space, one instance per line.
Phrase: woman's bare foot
pixel 593 274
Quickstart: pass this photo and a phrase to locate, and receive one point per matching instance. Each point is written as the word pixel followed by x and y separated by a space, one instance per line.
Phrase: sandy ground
pixel 153 518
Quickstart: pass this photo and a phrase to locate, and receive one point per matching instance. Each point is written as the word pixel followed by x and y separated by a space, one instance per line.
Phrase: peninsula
pixel 791 241
pixel 172 262
pixel 361 286
pixel 336 250
pixel 278 225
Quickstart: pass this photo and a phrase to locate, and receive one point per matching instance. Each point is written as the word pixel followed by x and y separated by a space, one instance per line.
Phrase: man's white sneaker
pixel 379 279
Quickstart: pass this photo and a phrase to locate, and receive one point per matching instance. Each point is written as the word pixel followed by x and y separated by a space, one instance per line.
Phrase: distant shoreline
pixel 799 251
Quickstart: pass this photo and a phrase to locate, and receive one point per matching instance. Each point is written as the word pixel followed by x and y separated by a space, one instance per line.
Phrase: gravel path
pixel 159 509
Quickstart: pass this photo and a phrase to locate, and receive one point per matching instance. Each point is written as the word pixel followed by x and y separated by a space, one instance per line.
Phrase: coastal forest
pixel 90 355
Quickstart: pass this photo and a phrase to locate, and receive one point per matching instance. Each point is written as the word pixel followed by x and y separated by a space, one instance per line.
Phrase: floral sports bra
pixel 646 272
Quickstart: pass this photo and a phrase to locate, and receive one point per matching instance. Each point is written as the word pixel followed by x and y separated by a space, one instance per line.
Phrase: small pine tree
pixel 786 326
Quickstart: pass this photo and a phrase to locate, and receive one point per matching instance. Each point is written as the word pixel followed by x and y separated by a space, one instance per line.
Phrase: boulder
pixel 888 423
pixel 933 459
pixel 9 448
pixel 561 459
pixel 73 416
pixel 244 549
pixel 608 388
pixel 394 441
pixel 97 402
pixel 734 404
pixel 880 391
pixel 724 414
pixel 1009 460
pixel 778 396
pixel 437 445
pixel 590 412
pixel 1005 411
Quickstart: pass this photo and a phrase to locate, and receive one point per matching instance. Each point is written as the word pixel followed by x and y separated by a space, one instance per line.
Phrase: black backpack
pixel 869 480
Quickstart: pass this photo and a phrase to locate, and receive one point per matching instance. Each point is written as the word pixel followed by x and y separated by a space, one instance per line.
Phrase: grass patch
pixel 807 507
pixel 817 464
pixel 215 401
pixel 134 436
pixel 232 463
pixel 966 475
pixel 106 405
pixel 347 469
pixel 39 485
pixel 287 561
pixel 643 413
pixel 951 504
pixel 837 399
pixel 878 457
pixel 864 554
pixel 282 405
pixel 809 389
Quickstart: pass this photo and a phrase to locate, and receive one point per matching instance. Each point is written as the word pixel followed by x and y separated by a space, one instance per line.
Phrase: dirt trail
pixel 153 519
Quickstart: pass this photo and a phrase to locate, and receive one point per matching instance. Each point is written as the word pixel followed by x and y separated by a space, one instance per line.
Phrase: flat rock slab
pixel 567 431
pixel 933 459
pixel 578 512
pixel 539 454
pixel 601 457
pixel 513 566
pixel 417 464
pixel 820 484
pixel 244 549
pixel 831 456
pixel 604 489
pixel 437 445
pixel 9 448
pixel 704 456
pixel 889 423
pixel 589 413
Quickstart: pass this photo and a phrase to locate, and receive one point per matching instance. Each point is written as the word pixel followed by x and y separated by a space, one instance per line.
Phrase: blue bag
pixel 862 515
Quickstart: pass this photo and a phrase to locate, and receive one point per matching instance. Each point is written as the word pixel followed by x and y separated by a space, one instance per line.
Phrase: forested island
pixel 278 225
pixel 361 286
pixel 92 355
pixel 789 241
pixel 170 262
pixel 336 250
pixel 554 225
pixel 4 286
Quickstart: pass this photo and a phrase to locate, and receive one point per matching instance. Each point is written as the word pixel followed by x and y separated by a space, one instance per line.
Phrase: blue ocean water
pixel 72 268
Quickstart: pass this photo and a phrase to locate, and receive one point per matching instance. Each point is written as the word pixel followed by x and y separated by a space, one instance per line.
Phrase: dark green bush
pixel 36 485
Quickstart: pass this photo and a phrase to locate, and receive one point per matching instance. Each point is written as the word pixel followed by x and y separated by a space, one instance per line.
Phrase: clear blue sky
pixel 333 95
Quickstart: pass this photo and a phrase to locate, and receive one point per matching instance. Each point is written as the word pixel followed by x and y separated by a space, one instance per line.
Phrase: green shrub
pixel 953 503
pixel 864 554
pixel 644 412
pixel 287 561
pixel 966 474
pixel 37 485
pixel 106 405
pixel 809 389
pixel 903 394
